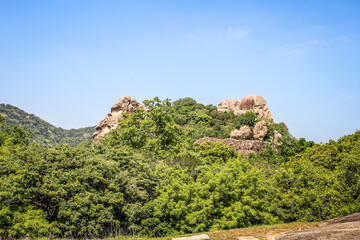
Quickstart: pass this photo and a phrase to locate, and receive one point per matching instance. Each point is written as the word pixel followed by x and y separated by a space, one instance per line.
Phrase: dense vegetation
pixel 148 178
pixel 43 132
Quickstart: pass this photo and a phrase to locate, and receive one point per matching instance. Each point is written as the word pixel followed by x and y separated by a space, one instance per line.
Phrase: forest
pixel 149 178
pixel 42 131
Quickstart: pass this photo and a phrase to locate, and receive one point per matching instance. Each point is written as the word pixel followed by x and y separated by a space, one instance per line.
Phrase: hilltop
pixel 149 176
pixel 43 132
pixel 247 125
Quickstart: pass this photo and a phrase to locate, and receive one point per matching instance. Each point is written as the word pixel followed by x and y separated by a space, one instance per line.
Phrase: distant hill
pixel 43 132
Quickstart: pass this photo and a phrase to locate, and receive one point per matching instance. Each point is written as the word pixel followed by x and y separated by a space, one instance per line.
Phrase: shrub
pixel 248 118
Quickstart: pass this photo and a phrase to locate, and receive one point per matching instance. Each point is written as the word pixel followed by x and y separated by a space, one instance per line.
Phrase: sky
pixel 69 61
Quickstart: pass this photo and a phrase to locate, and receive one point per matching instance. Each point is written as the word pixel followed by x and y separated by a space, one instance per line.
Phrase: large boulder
pixel 276 137
pixel 345 228
pixel 125 104
pixel 243 146
pixel 243 133
pixel 254 103
pixel 228 105
pixel 257 104
pixel 260 130
pixel 196 237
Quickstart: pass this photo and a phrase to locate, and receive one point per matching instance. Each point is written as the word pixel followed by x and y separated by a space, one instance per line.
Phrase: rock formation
pixel 276 137
pixel 346 228
pixel 243 133
pixel 254 103
pixel 260 130
pixel 284 126
pixel 229 105
pixel 245 139
pixel 196 237
pixel 125 104
pixel 245 146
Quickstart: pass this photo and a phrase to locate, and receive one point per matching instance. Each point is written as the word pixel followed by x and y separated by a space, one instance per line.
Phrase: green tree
pixel 248 118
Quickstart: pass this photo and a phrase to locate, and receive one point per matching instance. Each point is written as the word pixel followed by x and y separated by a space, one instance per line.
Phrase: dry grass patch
pixel 263 232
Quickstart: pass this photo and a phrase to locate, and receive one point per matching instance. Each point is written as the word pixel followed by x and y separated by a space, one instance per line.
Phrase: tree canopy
pixel 149 178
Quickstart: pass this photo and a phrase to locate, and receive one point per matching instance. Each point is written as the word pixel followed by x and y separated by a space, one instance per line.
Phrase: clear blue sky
pixel 69 61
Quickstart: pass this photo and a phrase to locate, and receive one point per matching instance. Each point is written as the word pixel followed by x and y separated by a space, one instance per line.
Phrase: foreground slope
pixel 343 228
pixel 43 132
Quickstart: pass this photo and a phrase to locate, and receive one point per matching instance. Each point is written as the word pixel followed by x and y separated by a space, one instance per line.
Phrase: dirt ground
pixel 344 228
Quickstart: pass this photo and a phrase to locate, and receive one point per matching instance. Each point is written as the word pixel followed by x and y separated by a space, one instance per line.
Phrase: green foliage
pixel 148 178
pixel 158 130
pixel 80 191
pixel 293 147
pixel 202 121
pixel 33 224
pixel 215 152
pixel 43 132
pixel 227 193
pixel 315 185
pixel 200 118
pixel 154 131
pixel 286 137
pixel 248 118
pixel 183 108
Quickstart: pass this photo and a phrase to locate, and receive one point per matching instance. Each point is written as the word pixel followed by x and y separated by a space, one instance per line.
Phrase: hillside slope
pixel 43 132
pixel 149 178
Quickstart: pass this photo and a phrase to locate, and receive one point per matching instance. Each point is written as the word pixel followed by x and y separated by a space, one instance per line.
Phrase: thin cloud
pixel 307 46
pixel 340 39
pixel 237 32
pixel 316 42
pixel 318 27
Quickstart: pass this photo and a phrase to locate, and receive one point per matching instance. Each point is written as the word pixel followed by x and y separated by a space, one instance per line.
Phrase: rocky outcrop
pixel 228 105
pixel 284 126
pixel 125 104
pixel 243 133
pixel 247 238
pixel 243 146
pixel 257 104
pixel 344 228
pixel 245 139
pixel 196 237
pixel 276 137
pixel 260 130
pixel 254 103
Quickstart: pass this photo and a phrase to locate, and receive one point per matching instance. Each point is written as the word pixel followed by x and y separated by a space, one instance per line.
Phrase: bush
pixel 149 178
pixel 248 118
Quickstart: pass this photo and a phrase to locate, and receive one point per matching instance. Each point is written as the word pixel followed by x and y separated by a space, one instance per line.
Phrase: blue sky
pixel 68 62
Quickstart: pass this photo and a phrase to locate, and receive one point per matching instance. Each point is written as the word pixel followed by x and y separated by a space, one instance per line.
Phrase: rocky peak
pixel 246 139
pixel 229 105
pixel 125 104
pixel 254 103
pixel 257 104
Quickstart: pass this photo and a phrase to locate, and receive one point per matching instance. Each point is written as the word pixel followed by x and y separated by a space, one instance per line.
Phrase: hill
pixel 149 177
pixel 43 132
